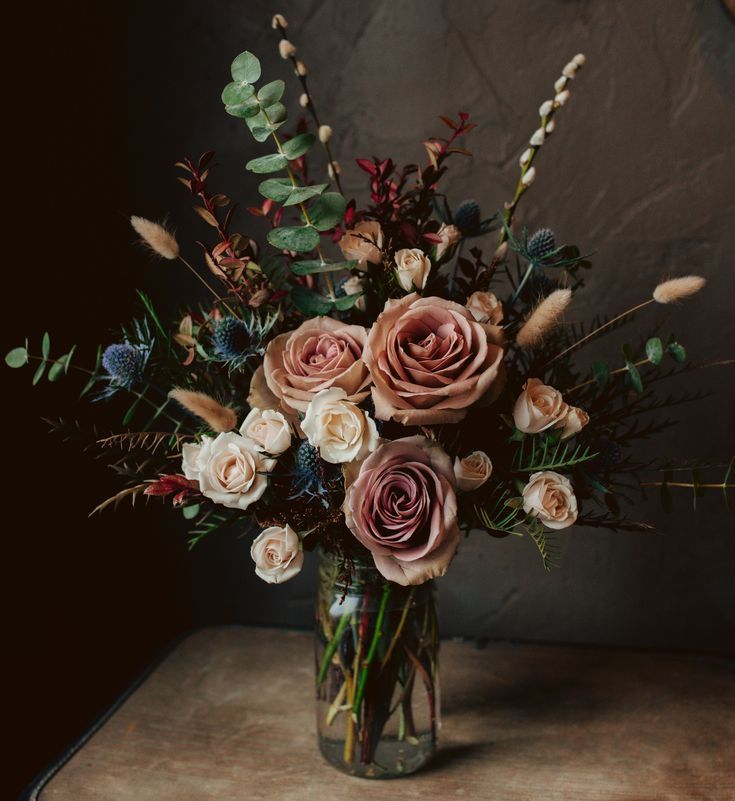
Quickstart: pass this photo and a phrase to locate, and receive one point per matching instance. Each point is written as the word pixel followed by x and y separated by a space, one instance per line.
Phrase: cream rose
pixel 485 307
pixel 472 471
pixel 277 554
pixel 235 473
pixel 430 360
pixel 194 457
pixel 549 497
pixel 450 235
pixel 340 430
pixel 363 243
pixel 538 407
pixel 268 429
pixel 574 421
pixel 320 354
pixel 412 269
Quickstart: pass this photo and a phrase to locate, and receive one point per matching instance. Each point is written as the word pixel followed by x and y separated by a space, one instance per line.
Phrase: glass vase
pixel 377 675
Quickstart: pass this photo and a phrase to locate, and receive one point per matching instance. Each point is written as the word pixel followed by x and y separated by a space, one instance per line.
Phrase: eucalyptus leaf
pixel 245 68
pixel 190 512
pixel 244 110
pixel 300 239
pixel 274 162
pixel 328 211
pixel 677 351
pixel 296 147
pixel 347 301
pixel 318 266
pixel 635 377
pixel 303 193
pixel 237 92
pixel 271 93
pixel 17 357
pixel 277 189
pixel 310 302
pixel 46 345
pixel 56 369
pixel 654 350
pixel 38 375
pixel 277 114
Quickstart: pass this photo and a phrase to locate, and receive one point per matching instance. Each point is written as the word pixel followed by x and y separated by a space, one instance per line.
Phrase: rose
pixel 268 429
pixel 277 554
pixel 340 430
pixel 538 407
pixel 353 286
pixel 450 235
pixel 234 474
pixel 321 353
pixel 412 268
pixel 549 497
pixel 574 421
pixel 363 243
pixel 430 360
pixel 485 307
pixel 194 457
pixel 472 471
pixel 402 507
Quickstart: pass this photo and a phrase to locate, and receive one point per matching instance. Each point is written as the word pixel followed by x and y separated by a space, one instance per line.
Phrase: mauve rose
pixel 430 360
pixel 320 354
pixel 363 243
pixel 402 507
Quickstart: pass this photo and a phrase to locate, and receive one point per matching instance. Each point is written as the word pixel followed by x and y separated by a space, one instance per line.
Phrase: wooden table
pixel 228 715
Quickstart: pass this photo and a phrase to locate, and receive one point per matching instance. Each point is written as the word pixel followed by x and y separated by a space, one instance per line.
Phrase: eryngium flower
pixel 467 217
pixel 541 245
pixel 231 338
pixel 124 363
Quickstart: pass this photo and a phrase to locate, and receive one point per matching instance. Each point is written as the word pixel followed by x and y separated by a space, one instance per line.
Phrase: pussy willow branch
pixel 312 111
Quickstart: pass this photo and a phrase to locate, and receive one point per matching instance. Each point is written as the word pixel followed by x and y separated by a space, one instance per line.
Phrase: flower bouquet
pixel 373 382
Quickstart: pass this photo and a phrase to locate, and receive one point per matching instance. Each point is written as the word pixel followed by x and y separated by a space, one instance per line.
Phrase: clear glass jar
pixel 377 681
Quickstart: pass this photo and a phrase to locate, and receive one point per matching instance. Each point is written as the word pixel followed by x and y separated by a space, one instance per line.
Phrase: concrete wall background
pixel 640 169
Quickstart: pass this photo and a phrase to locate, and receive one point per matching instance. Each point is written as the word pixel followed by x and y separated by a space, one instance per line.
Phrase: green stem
pixel 377 633
pixel 332 646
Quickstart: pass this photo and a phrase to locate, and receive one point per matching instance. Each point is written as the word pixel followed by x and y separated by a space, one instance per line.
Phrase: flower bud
pixel 334 169
pixel 529 177
pixel 525 157
pixel 325 133
pixel 278 21
pixel 538 138
pixel 570 70
pixel 301 69
pixel 304 100
pixel 545 108
pixel 501 251
pixel 550 125
pixel 562 97
pixel 580 59
pixel 286 49
pixel 560 83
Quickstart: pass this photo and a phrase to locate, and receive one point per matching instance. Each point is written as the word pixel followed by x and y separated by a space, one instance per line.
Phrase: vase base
pixel 393 757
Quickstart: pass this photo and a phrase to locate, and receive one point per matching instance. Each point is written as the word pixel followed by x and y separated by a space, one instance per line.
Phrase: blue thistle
pixel 467 217
pixel 125 363
pixel 541 245
pixel 231 339
pixel 313 476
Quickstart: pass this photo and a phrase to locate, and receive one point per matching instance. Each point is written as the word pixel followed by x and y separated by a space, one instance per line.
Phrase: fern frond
pixel 208 522
pixel 128 493
pixel 547 545
pixel 550 454
pixel 144 440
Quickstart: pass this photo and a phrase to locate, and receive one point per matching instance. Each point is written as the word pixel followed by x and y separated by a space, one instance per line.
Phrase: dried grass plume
pixel 158 239
pixel 678 288
pixel 544 318
pixel 218 417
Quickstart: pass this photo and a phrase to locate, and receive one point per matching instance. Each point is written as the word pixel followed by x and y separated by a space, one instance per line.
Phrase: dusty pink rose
pixel 320 354
pixel 403 508
pixel 363 243
pixel 430 360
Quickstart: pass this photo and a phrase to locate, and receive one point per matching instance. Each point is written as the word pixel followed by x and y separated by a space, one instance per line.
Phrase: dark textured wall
pixel 640 170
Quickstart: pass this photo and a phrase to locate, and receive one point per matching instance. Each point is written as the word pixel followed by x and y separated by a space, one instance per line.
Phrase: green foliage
pixel 296 147
pixel 277 189
pixel 501 514
pixel 317 266
pixel 300 194
pixel 654 350
pixel 546 544
pixel 271 93
pixel 52 368
pixel 549 452
pixel 601 373
pixel 274 162
pixel 309 302
pixel 245 68
pixel 300 239
pixel 328 211
pixel 676 350
pixel 17 357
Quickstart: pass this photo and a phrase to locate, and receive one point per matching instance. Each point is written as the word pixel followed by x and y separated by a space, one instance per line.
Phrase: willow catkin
pixel 544 318
pixel 678 288
pixel 158 239
pixel 218 417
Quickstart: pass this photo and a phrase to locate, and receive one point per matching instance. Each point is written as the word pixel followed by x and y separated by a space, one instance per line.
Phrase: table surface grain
pixel 228 715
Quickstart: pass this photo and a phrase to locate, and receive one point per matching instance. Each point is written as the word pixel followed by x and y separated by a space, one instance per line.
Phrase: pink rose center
pixel 321 353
